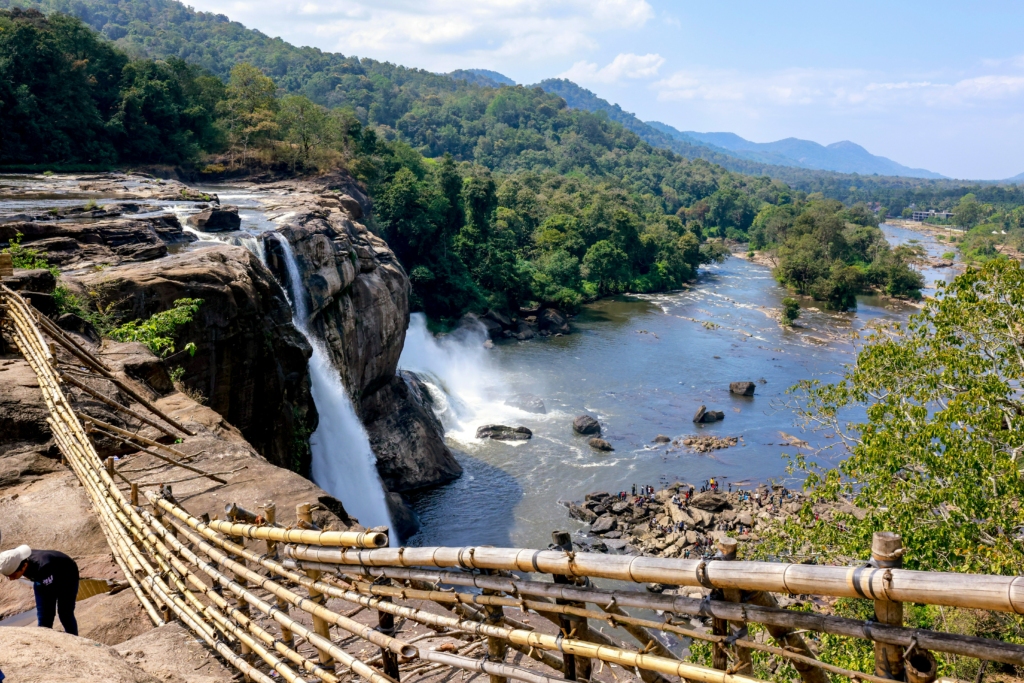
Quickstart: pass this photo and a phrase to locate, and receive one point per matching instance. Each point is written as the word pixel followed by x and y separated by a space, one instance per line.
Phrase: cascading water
pixel 343 463
pixel 467 389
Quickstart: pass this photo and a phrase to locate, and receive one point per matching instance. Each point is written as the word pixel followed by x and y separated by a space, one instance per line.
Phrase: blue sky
pixel 937 85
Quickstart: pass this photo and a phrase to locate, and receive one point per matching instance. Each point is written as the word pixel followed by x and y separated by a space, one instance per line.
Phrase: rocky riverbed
pixel 684 521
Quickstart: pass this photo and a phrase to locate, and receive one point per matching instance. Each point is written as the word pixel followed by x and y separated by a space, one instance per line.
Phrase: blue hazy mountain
pixel 728 149
pixel 844 156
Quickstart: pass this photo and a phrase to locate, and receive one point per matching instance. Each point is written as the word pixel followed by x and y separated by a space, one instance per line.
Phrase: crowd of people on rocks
pixel 682 520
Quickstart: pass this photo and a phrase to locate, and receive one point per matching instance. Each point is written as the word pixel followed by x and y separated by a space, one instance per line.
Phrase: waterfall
pixel 468 390
pixel 343 463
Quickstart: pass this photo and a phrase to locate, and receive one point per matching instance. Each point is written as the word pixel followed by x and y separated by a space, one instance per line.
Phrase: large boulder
pixel 216 219
pixel 742 388
pixel 703 415
pixel 604 524
pixel 710 501
pixel 586 425
pixel 401 414
pixel 503 433
pixel 552 320
pixel 359 305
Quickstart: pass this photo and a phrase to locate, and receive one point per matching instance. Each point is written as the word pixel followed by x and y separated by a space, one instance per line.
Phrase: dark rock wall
pixel 359 304
pixel 250 362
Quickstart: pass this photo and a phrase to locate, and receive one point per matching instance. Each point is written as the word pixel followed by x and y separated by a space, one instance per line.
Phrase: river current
pixel 642 365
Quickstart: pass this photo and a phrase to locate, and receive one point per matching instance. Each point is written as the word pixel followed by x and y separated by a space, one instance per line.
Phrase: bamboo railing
pixel 251 588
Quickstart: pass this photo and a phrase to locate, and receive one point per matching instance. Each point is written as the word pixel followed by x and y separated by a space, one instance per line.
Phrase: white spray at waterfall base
pixel 467 387
pixel 343 464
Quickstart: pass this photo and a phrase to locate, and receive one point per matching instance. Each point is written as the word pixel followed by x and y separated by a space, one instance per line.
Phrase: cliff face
pixel 359 305
pixel 250 361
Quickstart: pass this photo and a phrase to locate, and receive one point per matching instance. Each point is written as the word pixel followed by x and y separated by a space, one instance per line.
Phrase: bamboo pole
pixel 282 618
pixel 354 539
pixel 571 646
pixel 582 667
pixel 320 625
pixel 968 646
pixel 78 351
pixel 67 377
pixel 158 456
pixel 744 662
pixel 997 593
pixel 270 513
pixel 133 436
pixel 887 553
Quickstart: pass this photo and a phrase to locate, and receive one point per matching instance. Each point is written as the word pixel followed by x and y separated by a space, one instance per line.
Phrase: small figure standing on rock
pixel 54 578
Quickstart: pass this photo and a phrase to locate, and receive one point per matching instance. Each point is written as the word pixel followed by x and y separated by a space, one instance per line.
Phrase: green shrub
pixel 949 255
pixel 30 259
pixel 157 331
pixel 790 310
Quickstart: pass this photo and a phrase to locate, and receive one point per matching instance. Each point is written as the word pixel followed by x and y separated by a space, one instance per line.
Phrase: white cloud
pixel 443 34
pixel 835 88
pixel 624 66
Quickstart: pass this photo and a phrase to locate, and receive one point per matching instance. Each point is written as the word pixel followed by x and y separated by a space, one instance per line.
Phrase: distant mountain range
pixel 844 156
pixel 841 157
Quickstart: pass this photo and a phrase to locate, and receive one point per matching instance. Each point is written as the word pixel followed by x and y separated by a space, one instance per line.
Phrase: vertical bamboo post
pixel 270 515
pixel 304 513
pixel 109 463
pixel 240 604
pixel 386 625
pixel 135 495
pixel 886 554
pixel 576 668
pixel 497 648
pixel 744 662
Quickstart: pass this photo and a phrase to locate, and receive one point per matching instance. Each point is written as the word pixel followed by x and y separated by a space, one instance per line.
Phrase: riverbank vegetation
pixel 833 253
pixel 935 459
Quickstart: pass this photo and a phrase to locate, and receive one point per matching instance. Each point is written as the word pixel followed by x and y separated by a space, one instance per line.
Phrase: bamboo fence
pixel 249 587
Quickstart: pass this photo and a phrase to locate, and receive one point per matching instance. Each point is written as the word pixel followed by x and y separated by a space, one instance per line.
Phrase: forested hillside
pixel 492 197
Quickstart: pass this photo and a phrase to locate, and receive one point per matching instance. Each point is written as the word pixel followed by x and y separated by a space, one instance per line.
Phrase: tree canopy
pixel 936 457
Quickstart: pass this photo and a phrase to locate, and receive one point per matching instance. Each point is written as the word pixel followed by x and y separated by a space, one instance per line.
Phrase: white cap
pixel 10 560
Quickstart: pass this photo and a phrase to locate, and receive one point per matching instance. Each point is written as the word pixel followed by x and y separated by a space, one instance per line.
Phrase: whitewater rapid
pixel 343 464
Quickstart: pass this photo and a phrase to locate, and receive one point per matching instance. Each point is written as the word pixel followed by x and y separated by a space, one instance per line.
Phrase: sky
pixel 936 85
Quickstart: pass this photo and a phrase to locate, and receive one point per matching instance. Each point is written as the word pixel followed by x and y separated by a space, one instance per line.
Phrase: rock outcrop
pixel 586 425
pixel 742 388
pixel 216 219
pixel 503 433
pixel 74 244
pixel 250 362
pixel 359 305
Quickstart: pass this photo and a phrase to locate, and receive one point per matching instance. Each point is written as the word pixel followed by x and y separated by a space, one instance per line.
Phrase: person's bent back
pixel 54 578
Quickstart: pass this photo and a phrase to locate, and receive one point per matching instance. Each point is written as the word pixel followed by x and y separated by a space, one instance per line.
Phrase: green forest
pixel 491 197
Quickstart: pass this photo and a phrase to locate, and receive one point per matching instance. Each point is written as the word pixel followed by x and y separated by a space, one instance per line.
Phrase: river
pixel 641 364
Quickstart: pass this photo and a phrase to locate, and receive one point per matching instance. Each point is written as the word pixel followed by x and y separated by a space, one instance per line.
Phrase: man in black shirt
pixel 54 578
